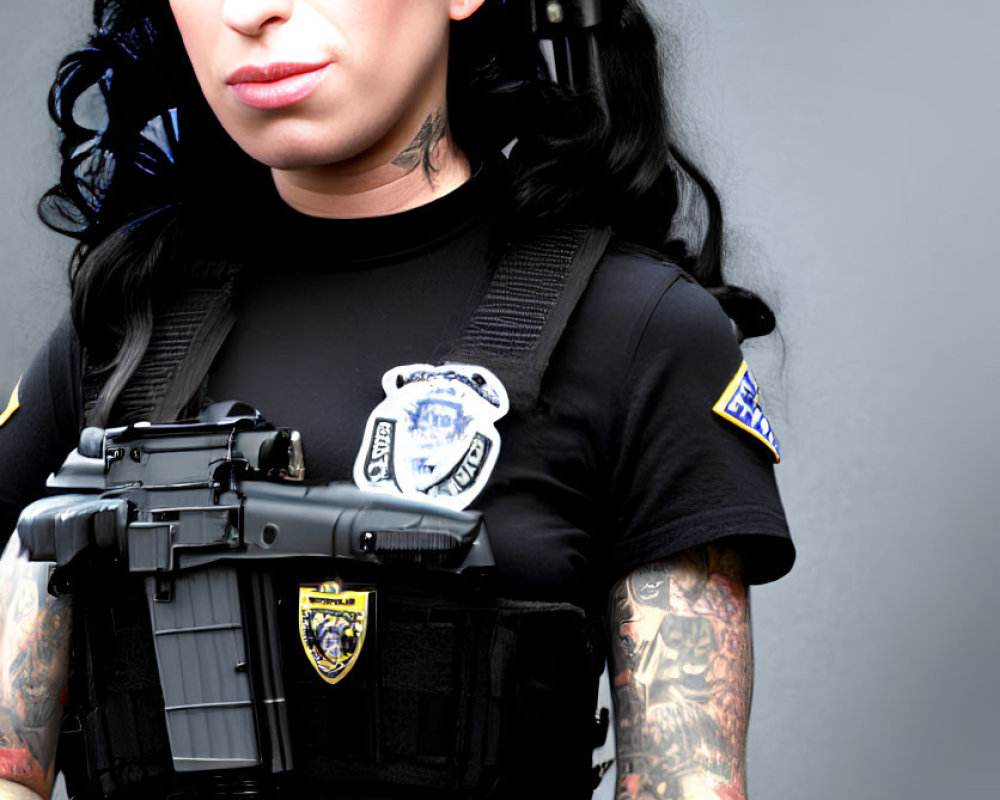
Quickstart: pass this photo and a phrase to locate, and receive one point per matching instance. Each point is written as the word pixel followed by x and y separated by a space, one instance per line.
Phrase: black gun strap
pixel 209 331
pixel 189 329
pixel 527 304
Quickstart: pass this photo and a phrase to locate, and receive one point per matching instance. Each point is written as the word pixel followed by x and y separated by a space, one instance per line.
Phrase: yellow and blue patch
pixel 12 405
pixel 332 627
pixel 739 405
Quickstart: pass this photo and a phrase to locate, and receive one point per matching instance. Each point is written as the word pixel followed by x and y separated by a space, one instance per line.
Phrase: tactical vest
pixel 468 695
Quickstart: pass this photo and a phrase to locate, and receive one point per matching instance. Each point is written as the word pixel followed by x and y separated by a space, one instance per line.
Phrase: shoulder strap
pixel 188 332
pixel 531 295
pixel 527 304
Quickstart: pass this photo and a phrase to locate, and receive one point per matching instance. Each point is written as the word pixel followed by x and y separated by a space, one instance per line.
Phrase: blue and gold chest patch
pixel 12 405
pixel 332 627
pixel 739 405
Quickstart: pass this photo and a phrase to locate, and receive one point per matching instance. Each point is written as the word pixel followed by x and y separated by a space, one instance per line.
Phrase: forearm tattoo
pixel 683 674
pixel 34 654
pixel 420 151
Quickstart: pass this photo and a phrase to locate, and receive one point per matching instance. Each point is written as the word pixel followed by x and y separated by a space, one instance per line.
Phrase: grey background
pixel 856 146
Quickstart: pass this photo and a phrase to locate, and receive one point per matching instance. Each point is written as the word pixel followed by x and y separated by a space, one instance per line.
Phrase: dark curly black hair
pixel 133 180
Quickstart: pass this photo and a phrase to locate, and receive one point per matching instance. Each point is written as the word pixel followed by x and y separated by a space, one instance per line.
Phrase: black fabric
pixel 622 462
pixel 46 426
pixel 419 716
pixel 451 669
pixel 531 294
pixel 114 731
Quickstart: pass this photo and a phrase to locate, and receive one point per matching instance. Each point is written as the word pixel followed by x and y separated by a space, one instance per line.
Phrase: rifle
pixel 200 510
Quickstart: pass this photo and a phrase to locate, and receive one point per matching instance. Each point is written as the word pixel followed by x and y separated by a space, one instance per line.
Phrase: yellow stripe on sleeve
pixel 13 404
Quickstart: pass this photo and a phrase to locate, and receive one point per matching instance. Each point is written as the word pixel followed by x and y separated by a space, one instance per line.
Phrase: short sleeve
pixel 685 474
pixel 41 424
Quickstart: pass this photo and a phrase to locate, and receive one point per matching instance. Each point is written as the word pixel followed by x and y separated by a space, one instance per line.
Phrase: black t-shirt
pixel 622 463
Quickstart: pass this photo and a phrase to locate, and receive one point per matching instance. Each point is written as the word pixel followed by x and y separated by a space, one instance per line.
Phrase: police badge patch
pixel 433 437
pixel 332 627
pixel 739 405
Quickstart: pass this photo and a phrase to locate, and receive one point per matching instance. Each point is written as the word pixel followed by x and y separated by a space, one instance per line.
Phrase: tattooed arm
pixel 683 672
pixel 34 654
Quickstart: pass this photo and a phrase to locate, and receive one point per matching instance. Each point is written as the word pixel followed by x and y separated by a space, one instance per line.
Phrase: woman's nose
pixel 251 17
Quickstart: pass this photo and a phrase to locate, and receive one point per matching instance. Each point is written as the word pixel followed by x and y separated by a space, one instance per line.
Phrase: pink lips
pixel 277 85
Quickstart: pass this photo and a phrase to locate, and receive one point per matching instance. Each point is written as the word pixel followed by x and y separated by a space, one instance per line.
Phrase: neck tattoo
pixel 420 148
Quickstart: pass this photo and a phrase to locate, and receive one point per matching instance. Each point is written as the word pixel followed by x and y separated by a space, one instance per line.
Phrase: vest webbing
pixel 188 330
pixel 527 304
pixel 423 720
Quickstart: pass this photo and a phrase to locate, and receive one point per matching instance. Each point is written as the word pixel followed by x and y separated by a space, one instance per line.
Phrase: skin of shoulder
pixel 682 676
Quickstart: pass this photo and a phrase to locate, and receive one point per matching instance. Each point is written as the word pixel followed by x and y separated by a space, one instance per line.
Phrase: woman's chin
pixel 288 157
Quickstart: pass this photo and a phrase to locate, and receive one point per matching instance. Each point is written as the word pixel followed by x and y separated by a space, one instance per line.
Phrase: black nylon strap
pixel 531 295
pixel 209 336
pixel 188 331
pixel 527 304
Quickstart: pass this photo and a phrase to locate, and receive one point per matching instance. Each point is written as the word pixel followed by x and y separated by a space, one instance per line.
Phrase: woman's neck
pixel 430 166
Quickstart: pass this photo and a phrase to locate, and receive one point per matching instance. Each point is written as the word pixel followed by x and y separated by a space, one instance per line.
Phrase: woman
pixel 319 200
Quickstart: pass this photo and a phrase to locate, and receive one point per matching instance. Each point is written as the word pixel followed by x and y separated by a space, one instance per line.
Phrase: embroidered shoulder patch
pixel 739 405
pixel 13 404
